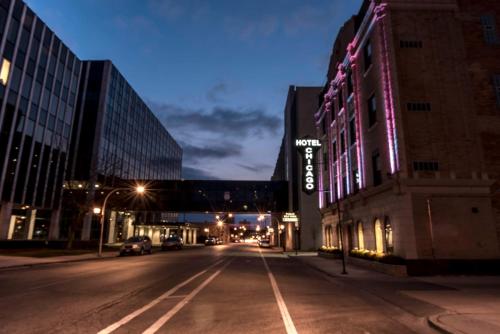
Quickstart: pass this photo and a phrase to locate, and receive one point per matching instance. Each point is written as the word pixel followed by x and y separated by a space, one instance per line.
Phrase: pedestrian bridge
pixel 200 196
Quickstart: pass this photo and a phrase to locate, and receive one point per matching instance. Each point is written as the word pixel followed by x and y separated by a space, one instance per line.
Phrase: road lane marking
pixel 143 309
pixel 285 315
pixel 167 316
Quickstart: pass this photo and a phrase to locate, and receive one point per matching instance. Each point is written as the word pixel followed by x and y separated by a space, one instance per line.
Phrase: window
pixel 355 180
pixel 418 106
pixel 367 53
pixel 340 99
pixel 334 146
pixel 4 72
pixel 361 237
pixel 496 85
pixel 389 244
pixel 372 111
pixel 325 159
pixel 379 237
pixel 350 86
pixel 352 132
pixel 410 44
pixel 376 168
pixel 489 29
pixel 426 166
pixel 342 142
pixel 16 79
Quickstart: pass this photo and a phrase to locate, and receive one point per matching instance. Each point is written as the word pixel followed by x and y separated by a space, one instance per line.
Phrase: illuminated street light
pixel 219 223
pixel 139 189
pixel 97 211
pixel 217 217
pixel 230 215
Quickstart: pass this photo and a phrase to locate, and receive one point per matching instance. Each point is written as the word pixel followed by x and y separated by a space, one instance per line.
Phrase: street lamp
pixel 139 189
pixel 344 272
pixel 281 233
pixel 97 211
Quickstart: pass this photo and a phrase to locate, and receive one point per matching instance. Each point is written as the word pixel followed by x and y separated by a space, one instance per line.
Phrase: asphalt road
pixel 221 289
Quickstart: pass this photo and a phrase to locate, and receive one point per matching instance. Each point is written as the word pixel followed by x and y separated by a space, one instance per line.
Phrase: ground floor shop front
pixel 435 222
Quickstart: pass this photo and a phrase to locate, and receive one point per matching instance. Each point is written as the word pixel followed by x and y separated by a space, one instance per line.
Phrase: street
pixel 235 288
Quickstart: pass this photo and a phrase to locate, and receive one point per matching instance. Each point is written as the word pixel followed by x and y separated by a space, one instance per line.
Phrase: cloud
pixel 215 92
pixel 169 9
pixel 252 27
pixel 137 23
pixel 215 151
pixel 294 20
pixel 256 168
pixel 173 10
pixel 222 122
pixel 192 173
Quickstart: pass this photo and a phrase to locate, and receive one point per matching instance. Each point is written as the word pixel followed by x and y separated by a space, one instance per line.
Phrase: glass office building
pixel 39 78
pixel 116 137
pixel 116 134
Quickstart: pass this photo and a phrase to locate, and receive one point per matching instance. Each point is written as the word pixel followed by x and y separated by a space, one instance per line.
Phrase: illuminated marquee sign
pixel 290 217
pixel 308 148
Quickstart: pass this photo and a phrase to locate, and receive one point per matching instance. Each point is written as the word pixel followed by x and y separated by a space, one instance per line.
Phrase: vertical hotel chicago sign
pixel 308 148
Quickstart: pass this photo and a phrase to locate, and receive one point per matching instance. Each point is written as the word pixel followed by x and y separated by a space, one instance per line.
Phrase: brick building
pixel 410 127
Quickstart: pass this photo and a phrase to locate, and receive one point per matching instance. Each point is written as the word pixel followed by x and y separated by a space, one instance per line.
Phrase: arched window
pixel 379 237
pixel 361 237
pixel 389 245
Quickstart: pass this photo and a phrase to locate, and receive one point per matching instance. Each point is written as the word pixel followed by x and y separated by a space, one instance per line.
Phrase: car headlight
pixel 135 246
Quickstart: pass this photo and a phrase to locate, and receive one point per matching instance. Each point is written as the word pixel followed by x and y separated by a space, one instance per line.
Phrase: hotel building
pixel 301 104
pixel 410 127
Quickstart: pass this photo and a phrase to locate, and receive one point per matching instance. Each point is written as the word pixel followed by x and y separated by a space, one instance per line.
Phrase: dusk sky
pixel 216 73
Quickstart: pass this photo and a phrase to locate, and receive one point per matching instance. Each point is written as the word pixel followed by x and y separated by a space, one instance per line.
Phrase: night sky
pixel 216 73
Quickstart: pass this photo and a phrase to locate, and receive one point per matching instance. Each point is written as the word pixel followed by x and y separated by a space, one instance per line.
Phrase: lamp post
pixel 138 189
pixel 282 235
pixel 220 223
pixel 344 272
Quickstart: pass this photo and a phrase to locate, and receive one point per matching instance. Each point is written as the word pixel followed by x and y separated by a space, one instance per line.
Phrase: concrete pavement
pixel 451 304
pixel 22 261
pixel 218 289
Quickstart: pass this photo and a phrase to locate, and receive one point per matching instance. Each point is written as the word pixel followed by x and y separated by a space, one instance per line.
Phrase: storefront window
pixel 379 237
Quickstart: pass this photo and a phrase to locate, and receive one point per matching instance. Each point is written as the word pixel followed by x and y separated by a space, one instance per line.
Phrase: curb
pixel 434 322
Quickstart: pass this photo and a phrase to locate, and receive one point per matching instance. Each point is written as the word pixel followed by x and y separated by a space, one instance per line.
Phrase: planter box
pixel 329 255
pixel 390 269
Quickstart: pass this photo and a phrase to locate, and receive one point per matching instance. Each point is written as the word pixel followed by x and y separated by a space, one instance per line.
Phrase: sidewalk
pixel 24 261
pixel 450 304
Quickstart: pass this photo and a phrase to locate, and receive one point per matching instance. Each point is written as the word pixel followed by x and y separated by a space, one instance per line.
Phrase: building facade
pixel 116 137
pixel 410 127
pixel 39 78
pixel 301 104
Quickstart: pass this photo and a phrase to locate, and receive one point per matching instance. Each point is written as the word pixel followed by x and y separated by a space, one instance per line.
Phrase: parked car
pixel 173 242
pixel 219 241
pixel 264 243
pixel 137 245
pixel 210 241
